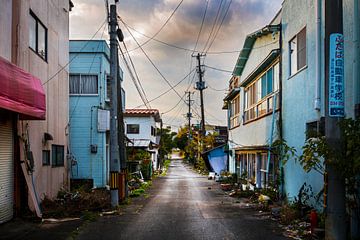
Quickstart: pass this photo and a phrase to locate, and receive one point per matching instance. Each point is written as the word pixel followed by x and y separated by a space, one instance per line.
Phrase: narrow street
pixel 183 205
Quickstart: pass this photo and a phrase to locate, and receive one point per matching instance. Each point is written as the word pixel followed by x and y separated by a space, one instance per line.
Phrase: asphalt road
pixel 184 205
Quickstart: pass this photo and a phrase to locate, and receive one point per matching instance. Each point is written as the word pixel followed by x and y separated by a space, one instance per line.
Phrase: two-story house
pixel 34 54
pixel 90 93
pixel 141 129
pixel 253 106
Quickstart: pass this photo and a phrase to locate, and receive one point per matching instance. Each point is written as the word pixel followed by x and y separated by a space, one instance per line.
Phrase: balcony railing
pixel 264 107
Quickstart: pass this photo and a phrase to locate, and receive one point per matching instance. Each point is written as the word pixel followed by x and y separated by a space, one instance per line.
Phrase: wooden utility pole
pixel 335 222
pixel 189 114
pixel 200 85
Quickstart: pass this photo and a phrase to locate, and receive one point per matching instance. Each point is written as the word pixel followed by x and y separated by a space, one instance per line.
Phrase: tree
pixel 166 142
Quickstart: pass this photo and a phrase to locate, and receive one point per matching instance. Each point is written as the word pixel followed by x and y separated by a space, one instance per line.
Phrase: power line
pixel 201 27
pixel 173 45
pixel 222 21
pixel 152 63
pixel 218 69
pixel 137 78
pixel 218 90
pixel 214 24
pixel 134 80
pixel 166 22
pixel 167 91
pixel 72 59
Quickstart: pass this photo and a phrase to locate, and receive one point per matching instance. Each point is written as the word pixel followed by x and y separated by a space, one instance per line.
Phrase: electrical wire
pixel 137 76
pixel 218 90
pixel 222 21
pixel 72 59
pixel 161 28
pixel 218 69
pixel 152 63
pixel 213 26
pixel 137 81
pixel 167 91
pixel 198 36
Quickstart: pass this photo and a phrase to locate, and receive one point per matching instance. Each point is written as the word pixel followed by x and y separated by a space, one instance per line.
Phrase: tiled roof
pixel 143 112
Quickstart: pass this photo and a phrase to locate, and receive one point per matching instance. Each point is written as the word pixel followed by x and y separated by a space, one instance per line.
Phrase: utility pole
pixel 189 114
pixel 200 85
pixel 335 222
pixel 121 139
pixel 114 143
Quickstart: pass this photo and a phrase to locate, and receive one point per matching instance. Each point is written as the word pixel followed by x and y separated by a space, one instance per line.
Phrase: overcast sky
pixel 182 30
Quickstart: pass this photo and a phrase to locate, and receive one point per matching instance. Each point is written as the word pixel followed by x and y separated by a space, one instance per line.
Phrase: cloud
pixel 243 17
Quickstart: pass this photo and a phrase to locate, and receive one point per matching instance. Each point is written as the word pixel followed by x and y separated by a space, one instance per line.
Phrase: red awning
pixel 21 92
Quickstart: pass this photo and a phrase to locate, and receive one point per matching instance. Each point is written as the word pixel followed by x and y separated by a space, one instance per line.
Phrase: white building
pixel 141 129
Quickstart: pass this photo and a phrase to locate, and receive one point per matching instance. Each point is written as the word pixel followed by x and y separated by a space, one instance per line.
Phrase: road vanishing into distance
pixel 184 205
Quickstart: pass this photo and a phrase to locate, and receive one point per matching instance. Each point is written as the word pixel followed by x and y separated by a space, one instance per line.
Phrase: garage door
pixel 6 171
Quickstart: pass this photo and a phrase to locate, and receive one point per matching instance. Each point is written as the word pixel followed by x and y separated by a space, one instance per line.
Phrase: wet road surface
pixel 183 205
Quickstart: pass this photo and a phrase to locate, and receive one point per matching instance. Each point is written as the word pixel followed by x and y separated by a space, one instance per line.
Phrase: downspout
pixel 356 46
pixel 317 55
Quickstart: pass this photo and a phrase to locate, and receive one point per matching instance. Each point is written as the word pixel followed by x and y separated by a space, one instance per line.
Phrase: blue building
pixel 89 115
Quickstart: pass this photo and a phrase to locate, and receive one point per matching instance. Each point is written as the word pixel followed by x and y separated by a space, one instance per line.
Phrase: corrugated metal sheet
pixel 6 171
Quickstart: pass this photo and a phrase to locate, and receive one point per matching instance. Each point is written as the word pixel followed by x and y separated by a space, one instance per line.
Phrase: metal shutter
pixel 6 171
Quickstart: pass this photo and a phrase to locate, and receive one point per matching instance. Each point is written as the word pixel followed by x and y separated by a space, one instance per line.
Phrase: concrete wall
pixel 298 92
pixel 299 89
pixel 83 111
pixel 55 16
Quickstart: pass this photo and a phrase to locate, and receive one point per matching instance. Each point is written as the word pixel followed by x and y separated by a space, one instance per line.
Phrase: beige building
pixel 34 53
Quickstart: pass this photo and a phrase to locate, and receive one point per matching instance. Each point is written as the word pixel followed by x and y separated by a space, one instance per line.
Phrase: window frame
pixel 56 149
pixel 235 112
pixel 80 84
pixel 296 52
pixel 256 105
pixel 128 127
pixel 36 50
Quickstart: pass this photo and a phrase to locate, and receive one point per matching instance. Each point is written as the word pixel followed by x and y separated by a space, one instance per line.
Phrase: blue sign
pixel 336 76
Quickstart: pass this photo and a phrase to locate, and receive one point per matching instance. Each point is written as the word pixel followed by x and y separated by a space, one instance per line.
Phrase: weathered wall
pixel 55 16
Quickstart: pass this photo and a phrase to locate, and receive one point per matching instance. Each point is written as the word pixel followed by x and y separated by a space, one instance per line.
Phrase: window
pixel 234 112
pixel 46 157
pixel 297 52
pixel 133 128
pixel 37 36
pixel 83 84
pixel 57 155
pixel 259 95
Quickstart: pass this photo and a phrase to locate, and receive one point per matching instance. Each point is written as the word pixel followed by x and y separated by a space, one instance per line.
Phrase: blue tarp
pixel 217 159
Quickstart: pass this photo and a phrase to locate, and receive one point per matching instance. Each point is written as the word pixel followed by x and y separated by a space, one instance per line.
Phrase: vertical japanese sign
pixel 336 75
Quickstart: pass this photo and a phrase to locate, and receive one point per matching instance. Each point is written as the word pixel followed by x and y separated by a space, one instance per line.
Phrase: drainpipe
pixel 317 55
pixel 356 46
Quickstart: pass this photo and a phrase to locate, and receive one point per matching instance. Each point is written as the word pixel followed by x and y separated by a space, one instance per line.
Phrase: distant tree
pixel 181 139
pixel 166 141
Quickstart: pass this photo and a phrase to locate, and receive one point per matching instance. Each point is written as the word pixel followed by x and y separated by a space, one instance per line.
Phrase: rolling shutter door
pixel 6 171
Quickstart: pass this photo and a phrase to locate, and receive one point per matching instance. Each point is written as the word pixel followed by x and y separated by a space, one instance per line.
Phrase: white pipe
pixel 317 55
pixel 356 53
